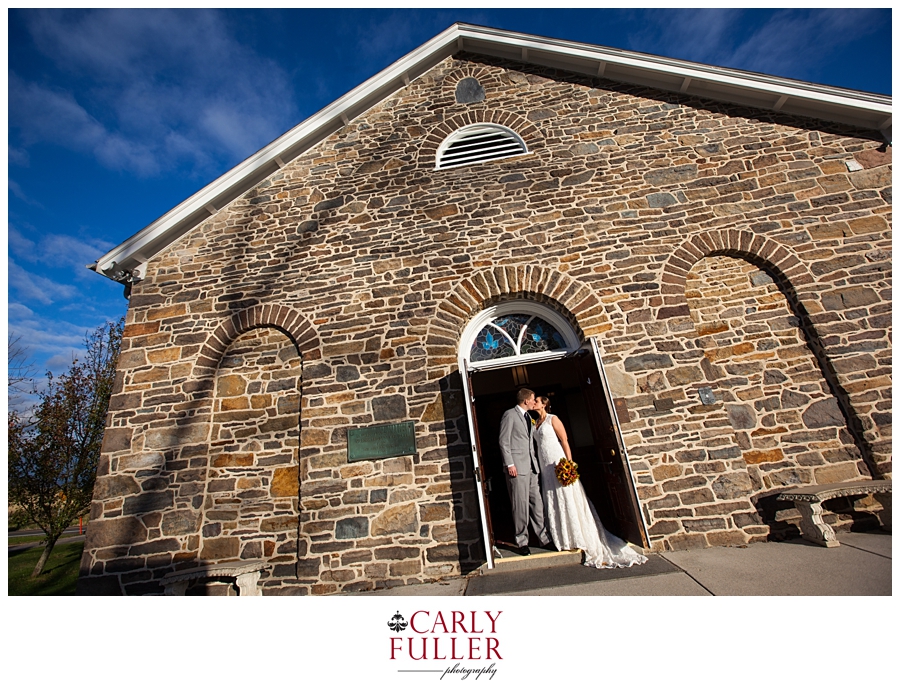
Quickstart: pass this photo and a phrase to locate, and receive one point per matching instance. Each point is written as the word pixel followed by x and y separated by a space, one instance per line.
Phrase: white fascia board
pixel 867 109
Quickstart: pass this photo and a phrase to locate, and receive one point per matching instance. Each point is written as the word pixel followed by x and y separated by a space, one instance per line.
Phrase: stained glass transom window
pixel 514 335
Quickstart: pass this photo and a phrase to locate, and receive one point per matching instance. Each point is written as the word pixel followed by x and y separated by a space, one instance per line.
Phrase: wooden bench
pixel 808 501
pixel 244 573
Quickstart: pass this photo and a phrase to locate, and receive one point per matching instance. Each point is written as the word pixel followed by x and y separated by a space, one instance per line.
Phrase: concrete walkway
pixel 68 539
pixel 860 566
pixel 73 529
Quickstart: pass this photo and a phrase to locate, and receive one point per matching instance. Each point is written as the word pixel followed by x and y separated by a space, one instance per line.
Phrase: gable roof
pixel 865 110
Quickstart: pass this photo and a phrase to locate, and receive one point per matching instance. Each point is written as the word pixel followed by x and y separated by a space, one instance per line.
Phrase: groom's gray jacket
pixel 516 446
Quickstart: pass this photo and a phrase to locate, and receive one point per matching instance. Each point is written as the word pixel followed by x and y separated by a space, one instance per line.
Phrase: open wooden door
pixel 618 482
pixel 483 504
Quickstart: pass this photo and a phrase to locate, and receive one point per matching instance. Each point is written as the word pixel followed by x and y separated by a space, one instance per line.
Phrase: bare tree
pixel 53 455
pixel 19 370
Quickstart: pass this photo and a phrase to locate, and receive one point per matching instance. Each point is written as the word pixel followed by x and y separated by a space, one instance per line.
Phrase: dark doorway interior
pixel 593 443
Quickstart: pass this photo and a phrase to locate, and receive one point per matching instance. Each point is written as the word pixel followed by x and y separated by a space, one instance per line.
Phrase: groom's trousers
pixel 527 506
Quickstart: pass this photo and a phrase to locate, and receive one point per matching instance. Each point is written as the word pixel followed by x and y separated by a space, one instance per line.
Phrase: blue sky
pixel 116 116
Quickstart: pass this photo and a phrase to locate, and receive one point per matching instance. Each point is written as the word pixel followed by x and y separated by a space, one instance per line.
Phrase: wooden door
pixel 618 483
pixel 478 467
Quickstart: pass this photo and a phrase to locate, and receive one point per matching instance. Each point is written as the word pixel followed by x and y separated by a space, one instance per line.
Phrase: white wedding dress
pixel 571 517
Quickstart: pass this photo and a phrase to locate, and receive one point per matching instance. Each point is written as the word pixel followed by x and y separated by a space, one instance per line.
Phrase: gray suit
pixel 518 449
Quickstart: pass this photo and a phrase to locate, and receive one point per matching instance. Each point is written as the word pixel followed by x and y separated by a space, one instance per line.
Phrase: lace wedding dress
pixel 571 517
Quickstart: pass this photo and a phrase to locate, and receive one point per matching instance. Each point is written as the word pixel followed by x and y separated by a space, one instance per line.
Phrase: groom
pixel 521 465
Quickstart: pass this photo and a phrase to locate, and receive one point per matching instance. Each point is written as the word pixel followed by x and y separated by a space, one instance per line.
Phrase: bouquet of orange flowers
pixel 566 472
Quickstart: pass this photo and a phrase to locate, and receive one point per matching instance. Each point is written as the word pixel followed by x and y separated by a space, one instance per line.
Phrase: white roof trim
pixel 866 110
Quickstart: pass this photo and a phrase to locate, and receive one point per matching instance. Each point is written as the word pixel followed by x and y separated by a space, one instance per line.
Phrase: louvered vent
pixel 477 144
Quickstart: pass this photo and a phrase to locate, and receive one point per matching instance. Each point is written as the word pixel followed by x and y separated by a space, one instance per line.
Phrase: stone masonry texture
pixel 702 245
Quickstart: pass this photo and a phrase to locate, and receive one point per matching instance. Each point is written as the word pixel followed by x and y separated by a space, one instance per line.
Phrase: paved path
pixel 860 566
pixel 31 533
pixel 30 545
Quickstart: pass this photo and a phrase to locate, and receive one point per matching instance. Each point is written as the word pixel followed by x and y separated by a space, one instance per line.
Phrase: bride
pixel 570 516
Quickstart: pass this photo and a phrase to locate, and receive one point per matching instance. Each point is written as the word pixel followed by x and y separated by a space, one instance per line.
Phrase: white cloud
pixel 19 244
pixel 33 287
pixel 701 35
pixel 698 35
pixel 799 38
pixel 17 156
pixel 16 190
pixel 51 342
pixel 56 251
pixel 156 89
pixel 48 339
pixel 18 311
pixel 790 42
pixel 45 115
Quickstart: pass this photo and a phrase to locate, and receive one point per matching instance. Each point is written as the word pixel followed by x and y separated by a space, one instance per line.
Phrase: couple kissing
pixel 561 516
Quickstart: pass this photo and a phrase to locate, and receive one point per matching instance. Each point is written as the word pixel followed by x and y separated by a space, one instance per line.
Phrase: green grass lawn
pixel 58 578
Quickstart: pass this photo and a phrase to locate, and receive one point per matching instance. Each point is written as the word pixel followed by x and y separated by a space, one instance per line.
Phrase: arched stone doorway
pixel 523 343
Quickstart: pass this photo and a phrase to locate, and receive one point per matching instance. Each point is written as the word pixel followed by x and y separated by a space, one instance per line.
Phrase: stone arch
pixel 452 80
pixel 788 271
pixel 530 133
pixel 194 427
pixel 466 70
pixel 793 279
pixel 574 300
pixel 290 322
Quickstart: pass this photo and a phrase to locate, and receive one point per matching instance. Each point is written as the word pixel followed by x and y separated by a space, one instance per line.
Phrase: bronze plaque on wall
pixel 381 441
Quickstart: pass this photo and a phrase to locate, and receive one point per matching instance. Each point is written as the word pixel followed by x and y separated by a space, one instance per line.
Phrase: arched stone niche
pixel 251 500
pixel 787 422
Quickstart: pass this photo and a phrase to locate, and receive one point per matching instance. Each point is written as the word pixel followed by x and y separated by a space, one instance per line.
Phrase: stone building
pixel 693 263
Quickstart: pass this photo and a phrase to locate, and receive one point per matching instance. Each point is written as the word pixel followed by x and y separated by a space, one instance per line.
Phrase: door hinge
pixel 478 475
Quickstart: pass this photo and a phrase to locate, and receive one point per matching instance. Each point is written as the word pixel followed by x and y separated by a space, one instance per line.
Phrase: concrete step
pixel 539 559
pixel 530 579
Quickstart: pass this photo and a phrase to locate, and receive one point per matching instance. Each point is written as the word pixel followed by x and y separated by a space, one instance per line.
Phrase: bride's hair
pixel 545 402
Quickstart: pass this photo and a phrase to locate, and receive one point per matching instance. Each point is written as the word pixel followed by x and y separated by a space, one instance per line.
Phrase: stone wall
pixel 369 263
